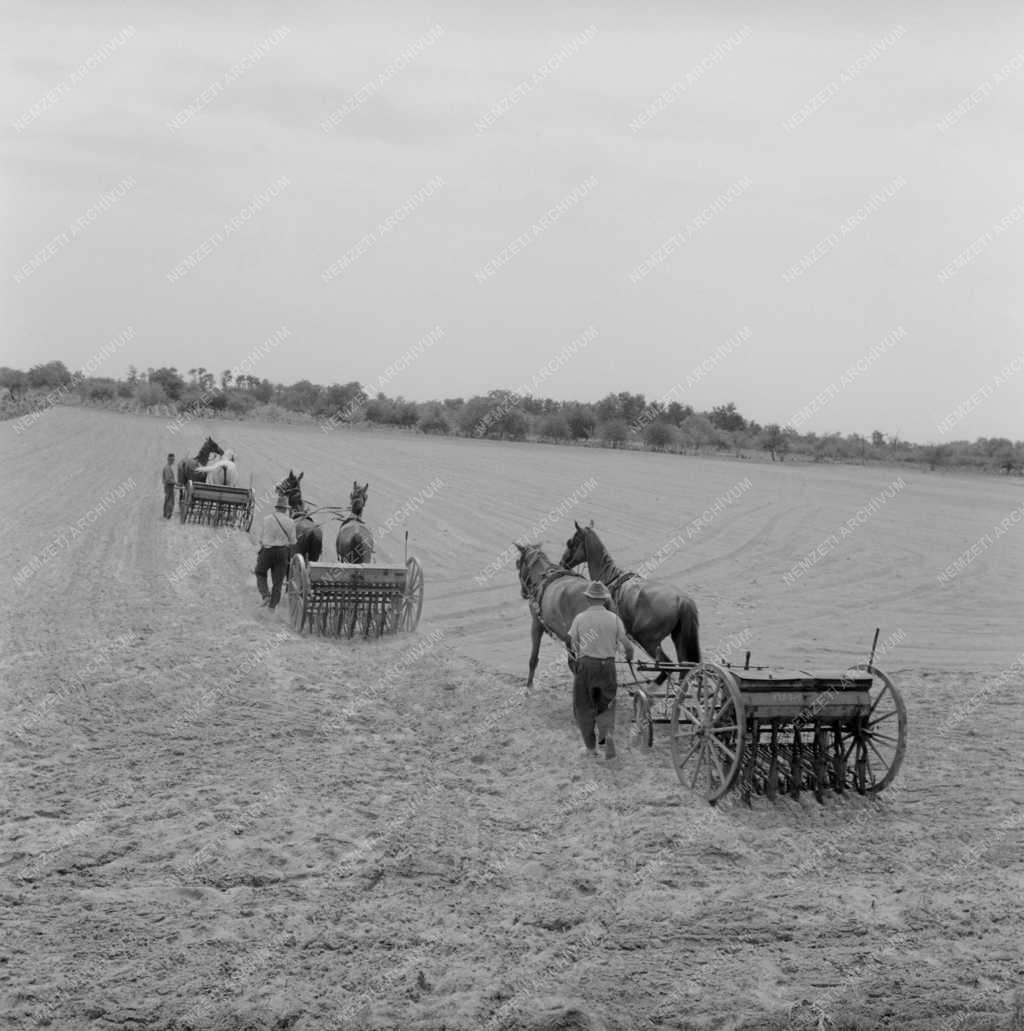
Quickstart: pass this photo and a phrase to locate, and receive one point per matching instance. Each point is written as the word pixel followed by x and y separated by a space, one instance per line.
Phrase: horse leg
pixel 686 635
pixel 315 544
pixel 653 647
pixel 536 633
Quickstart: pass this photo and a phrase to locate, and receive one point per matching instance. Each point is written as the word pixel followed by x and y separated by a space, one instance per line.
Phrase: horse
pixel 556 596
pixel 310 535
pixel 355 542
pixel 650 609
pixel 187 466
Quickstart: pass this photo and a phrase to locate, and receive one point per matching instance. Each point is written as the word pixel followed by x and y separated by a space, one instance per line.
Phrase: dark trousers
pixel 274 560
pixel 169 489
pixel 593 698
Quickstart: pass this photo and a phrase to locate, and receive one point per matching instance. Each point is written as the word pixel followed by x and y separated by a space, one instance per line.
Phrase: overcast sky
pixel 808 174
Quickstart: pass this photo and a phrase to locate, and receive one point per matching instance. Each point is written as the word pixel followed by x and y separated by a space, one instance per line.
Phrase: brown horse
pixel 355 542
pixel 650 610
pixel 309 534
pixel 556 597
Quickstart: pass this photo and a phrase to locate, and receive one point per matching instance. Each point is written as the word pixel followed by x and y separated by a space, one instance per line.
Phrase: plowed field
pixel 210 821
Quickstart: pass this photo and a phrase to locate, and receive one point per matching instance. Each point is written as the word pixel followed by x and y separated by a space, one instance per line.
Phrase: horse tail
pixel 686 636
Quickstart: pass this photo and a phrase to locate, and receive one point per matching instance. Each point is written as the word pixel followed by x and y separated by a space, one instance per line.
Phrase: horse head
pixel 290 488
pixel 357 499
pixel 530 566
pixel 576 547
pixel 210 446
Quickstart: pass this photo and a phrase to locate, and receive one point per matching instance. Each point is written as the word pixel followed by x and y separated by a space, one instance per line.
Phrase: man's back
pixel 597 633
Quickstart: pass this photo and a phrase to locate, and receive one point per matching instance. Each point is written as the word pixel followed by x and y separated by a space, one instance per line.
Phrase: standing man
pixel 170 485
pixel 276 541
pixel 595 635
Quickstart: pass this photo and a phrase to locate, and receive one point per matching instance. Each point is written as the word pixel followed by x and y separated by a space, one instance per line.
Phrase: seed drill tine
pixel 874 643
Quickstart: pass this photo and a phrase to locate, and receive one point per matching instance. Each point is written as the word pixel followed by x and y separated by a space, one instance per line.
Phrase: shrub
pixel 150 394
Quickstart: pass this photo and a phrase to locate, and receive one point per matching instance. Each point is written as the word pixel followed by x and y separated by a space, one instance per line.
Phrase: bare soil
pixel 211 822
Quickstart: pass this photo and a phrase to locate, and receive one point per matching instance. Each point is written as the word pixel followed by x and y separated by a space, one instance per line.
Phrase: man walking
pixel 276 542
pixel 594 636
pixel 170 485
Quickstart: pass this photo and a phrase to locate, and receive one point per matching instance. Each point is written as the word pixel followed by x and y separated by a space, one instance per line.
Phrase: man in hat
pixel 226 462
pixel 170 485
pixel 594 637
pixel 276 541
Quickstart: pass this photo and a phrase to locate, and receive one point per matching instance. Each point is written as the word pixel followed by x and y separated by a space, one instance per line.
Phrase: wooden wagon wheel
pixel 873 745
pixel 412 598
pixel 298 592
pixel 708 726
pixel 641 733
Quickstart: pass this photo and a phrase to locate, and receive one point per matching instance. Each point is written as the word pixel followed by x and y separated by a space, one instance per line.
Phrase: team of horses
pixel 354 542
pixel 651 611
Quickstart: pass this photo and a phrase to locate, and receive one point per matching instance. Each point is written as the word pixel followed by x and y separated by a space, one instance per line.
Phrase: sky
pixel 813 211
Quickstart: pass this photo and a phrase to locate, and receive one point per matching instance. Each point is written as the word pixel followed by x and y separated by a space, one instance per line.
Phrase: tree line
pixel 618 420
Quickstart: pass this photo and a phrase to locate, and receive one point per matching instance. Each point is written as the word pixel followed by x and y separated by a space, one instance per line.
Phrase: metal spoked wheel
pixel 708 730
pixel 298 592
pixel 872 746
pixel 412 598
pixel 641 733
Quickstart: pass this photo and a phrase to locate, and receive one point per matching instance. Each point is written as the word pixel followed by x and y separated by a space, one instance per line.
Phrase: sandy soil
pixel 212 822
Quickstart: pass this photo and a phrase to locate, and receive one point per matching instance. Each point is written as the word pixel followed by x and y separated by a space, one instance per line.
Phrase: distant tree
pixel 341 399
pixel 514 425
pixel 725 417
pixel 660 435
pixel 169 380
pixel 555 426
pixel 697 431
pixel 677 412
pixel 151 393
pixel 936 455
pixel 433 420
pixel 218 401
pixel 614 432
pixel 13 380
pixel 774 441
pixel 225 379
pixel 581 420
pixel 262 389
pixel 133 375
pixel 877 438
pixel 241 402
pixel 50 375
pixel 301 396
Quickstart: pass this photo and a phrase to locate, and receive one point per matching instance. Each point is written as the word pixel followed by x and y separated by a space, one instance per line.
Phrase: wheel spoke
pixel 875 736
pixel 885 762
pixel 718 765
pixel 881 695
pixel 689 754
pixel 731 756
pixel 697 769
pixel 887 716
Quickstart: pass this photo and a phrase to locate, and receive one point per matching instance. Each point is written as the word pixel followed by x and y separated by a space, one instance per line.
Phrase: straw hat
pixel 597 591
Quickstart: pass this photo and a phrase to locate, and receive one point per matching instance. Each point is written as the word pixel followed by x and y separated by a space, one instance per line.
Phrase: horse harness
pixel 536 600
